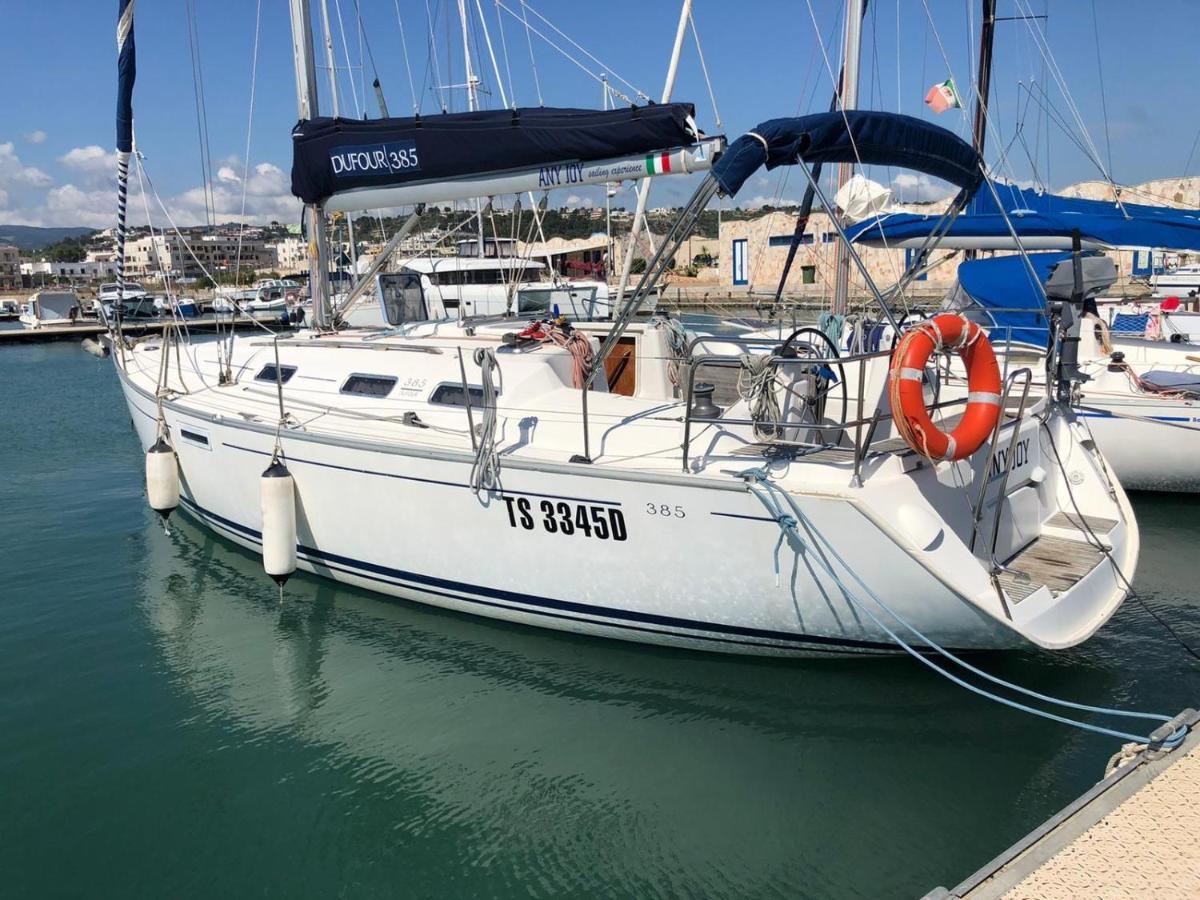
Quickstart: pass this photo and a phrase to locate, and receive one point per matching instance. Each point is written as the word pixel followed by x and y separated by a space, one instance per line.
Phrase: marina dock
pixel 1131 835
pixel 15 336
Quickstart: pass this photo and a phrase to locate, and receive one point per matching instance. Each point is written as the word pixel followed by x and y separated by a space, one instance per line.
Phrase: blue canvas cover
pixel 1014 306
pixel 865 136
pixel 126 75
pixel 1034 214
pixel 331 155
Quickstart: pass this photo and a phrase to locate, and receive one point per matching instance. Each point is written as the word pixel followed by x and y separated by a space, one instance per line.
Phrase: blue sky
pixel 764 59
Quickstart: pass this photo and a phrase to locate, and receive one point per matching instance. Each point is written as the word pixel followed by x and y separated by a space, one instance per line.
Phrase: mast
pixel 644 190
pixel 849 100
pixel 335 105
pixel 306 103
pixel 983 83
pixel 126 75
pixel 472 104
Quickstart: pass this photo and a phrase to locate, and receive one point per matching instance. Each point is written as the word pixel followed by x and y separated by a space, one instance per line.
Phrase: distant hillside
pixel 26 237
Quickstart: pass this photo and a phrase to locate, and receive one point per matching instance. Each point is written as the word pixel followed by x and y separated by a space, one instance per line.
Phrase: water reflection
pixel 584 763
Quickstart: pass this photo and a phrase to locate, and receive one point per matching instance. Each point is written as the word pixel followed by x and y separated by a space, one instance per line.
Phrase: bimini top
pixel 863 136
pixel 333 156
pixel 1042 221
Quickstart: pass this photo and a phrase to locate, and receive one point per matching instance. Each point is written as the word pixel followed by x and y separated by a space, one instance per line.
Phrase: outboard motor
pixel 1067 292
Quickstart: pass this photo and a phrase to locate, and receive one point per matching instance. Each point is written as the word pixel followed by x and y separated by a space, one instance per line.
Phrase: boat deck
pixel 1136 833
pixel 1055 562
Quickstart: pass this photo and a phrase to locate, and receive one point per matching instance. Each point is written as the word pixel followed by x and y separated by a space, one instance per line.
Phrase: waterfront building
pixel 10 268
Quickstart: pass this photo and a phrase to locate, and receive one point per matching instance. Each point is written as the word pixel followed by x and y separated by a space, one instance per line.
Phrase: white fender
pixel 162 478
pixel 278 494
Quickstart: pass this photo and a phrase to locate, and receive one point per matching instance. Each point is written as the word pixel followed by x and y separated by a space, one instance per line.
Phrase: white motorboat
pixel 1180 281
pixel 494 284
pixel 51 307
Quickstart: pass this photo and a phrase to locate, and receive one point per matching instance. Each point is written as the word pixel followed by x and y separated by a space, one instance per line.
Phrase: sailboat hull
pixel 664 562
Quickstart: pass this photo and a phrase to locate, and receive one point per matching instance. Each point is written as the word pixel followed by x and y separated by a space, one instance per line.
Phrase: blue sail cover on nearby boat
pixel 335 155
pixel 862 136
pixel 126 75
pixel 1003 288
pixel 1043 220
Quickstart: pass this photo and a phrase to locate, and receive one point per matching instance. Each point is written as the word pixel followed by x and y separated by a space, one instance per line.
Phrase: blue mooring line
pixel 760 484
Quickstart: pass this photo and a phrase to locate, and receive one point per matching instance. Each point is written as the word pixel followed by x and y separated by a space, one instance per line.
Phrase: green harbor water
pixel 168 728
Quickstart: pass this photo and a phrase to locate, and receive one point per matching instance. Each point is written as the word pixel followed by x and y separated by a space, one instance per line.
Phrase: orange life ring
pixel 943 333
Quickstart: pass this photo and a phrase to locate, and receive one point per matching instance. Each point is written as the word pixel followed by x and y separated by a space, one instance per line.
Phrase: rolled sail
pixel 363 164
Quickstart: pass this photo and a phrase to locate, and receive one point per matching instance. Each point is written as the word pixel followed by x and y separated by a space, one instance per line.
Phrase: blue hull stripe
pixel 738 634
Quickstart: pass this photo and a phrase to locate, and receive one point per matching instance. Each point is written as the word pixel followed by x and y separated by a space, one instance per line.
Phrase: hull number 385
pixel 562 517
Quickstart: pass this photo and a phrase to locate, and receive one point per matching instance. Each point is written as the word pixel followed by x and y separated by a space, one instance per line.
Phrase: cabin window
pixel 369 385
pixel 452 395
pixel 533 301
pixel 402 298
pixel 268 374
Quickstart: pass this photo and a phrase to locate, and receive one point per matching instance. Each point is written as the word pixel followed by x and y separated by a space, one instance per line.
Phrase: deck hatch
pixel 267 373
pixel 369 385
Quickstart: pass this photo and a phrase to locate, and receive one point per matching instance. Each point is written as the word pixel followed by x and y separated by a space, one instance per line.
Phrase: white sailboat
pixel 576 475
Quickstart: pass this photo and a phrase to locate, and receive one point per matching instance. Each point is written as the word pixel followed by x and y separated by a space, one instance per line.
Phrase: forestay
pixel 359 164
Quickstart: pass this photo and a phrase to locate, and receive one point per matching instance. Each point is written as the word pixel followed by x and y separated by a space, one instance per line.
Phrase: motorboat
pixel 51 307
pixel 490 284
pixel 1179 281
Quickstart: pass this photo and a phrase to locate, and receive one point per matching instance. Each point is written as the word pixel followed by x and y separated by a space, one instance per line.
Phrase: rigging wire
pixel 432 61
pixel 193 32
pixel 512 93
pixel 640 94
pixel 337 5
pixel 537 82
pixel 1100 72
pixel 704 68
pixel 412 87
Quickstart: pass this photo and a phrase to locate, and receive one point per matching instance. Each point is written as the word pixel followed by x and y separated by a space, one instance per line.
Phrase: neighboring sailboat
pixel 1140 396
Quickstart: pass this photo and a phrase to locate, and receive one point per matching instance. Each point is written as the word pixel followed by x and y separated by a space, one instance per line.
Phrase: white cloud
pixel 912 188
pixel 226 173
pixel 14 172
pixel 35 137
pixel 92 160
pixel 3 199
pixel 92 201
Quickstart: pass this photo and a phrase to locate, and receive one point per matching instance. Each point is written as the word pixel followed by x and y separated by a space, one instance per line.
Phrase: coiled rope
pixel 485 473
pixel 756 385
pixel 790 517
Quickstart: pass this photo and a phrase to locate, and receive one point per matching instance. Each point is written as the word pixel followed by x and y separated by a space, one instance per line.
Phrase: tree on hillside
pixel 67 250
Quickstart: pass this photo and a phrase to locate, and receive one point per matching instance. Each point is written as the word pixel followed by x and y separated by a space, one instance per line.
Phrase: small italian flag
pixel 658 164
pixel 942 97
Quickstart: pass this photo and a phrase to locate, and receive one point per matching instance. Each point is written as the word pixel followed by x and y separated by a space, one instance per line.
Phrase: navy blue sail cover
pixel 331 155
pixel 862 136
pixel 126 75
pixel 1035 214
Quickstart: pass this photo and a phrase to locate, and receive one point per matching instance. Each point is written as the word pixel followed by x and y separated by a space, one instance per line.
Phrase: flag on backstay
pixel 658 163
pixel 942 97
